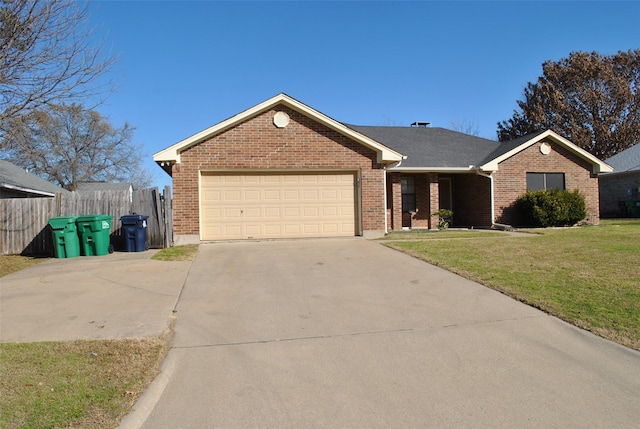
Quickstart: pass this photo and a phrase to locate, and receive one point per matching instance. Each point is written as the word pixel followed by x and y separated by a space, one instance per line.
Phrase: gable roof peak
pixel 512 147
pixel 171 154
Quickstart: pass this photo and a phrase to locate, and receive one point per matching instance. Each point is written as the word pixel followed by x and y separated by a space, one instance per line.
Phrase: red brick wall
pixel 510 180
pixel 257 143
pixel 426 201
pixel 616 188
pixel 395 206
pixel 471 201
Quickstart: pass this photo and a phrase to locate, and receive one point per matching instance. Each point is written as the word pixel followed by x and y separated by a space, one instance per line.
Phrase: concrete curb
pixel 147 402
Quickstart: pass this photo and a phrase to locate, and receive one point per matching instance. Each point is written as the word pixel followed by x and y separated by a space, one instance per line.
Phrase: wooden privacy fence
pixel 24 222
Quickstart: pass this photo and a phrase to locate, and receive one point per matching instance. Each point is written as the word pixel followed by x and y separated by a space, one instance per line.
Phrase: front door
pixel 408 199
pixel 445 193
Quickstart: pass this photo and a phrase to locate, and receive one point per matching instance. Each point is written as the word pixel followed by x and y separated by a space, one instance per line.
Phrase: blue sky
pixel 184 66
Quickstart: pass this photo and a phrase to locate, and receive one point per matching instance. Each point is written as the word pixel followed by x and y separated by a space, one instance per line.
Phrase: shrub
pixel 552 207
pixel 446 217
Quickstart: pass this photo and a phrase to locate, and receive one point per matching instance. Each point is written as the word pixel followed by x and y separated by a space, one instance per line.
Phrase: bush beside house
pixel 546 208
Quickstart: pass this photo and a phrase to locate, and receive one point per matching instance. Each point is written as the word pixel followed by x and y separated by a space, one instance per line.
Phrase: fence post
pixel 167 217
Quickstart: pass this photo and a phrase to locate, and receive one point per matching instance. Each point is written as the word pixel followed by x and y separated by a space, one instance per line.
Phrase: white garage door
pixel 243 206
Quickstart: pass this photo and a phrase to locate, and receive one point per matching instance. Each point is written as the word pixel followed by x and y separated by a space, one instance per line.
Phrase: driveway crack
pixel 357 334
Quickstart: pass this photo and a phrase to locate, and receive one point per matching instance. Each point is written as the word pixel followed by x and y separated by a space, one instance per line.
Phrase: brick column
pixel 434 204
pixel 396 202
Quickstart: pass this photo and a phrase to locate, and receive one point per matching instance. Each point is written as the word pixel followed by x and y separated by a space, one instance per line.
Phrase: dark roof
pixel 16 178
pixel 505 147
pixel 437 147
pixel 627 160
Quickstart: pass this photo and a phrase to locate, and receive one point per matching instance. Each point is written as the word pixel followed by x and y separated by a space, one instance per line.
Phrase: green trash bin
pixel 94 234
pixel 65 237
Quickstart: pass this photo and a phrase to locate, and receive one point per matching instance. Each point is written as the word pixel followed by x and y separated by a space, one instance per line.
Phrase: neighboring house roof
pixel 103 186
pixel 172 154
pixel 626 161
pixel 17 179
pixel 442 150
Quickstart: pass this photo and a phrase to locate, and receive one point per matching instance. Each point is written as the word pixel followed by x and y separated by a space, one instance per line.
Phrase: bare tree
pixel 47 56
pixel 68 145
pixel 465 126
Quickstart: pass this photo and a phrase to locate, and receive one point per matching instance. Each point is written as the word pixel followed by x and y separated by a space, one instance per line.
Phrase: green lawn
pixel 588 276
pixel 74 384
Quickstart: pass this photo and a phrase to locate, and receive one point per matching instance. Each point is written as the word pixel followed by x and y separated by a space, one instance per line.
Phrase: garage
pixel 277 205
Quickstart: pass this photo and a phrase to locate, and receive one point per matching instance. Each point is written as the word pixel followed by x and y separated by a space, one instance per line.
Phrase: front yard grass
pixel 417 234
pixel 588 276
pixel 74 384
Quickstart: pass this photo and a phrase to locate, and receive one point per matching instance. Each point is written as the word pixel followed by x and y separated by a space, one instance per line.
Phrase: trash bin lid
pixel 61 222
pixel 132 219
pixel 87 218
pixel 93 217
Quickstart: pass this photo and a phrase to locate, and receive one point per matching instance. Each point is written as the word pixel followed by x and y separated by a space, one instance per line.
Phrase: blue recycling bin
pixel 135 232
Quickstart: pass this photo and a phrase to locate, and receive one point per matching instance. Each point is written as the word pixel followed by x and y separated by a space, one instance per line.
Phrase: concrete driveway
pixel 346 333
pixel 112 296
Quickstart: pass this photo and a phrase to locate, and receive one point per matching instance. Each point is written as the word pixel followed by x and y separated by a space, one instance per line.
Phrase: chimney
pixel 420 124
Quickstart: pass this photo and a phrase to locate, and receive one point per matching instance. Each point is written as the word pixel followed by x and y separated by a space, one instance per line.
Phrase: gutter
pixel 386 222
pixel 451 170
pixel 493 223
pixel 26 190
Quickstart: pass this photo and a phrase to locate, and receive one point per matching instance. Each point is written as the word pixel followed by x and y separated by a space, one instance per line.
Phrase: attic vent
pixel 281 119
pixel 420 124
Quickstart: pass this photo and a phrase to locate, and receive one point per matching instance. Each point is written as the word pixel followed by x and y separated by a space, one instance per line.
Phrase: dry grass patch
pixel 87 384
pixel 12 263
pixel 177 253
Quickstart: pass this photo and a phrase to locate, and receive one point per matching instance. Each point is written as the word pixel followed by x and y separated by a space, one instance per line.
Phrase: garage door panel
pixel 330 211
pixel 252 213
pixel 231 213
pixel 233 195
pixel 238 206
pixel 273 212
pixel 291 195
pixel 271 195
pixel 310 211
pixel 252 195
pixel 232 230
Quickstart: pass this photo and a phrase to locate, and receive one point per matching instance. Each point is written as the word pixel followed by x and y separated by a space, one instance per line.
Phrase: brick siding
pixel 257 144
pixel 471 201
pixel 510 180
pixel 617 188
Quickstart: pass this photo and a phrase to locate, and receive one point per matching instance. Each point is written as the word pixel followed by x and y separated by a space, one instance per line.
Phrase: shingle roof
pixel 627 160
pixel 14 177
pixel 435 147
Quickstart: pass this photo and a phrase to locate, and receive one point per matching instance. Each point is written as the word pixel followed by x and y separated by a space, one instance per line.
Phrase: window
pixel 408 194
pixel 537 181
